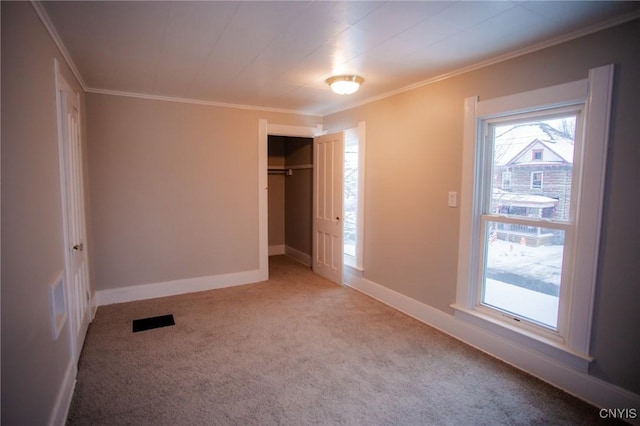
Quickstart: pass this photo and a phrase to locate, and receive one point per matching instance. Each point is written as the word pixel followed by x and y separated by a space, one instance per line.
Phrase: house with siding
pixel 533 164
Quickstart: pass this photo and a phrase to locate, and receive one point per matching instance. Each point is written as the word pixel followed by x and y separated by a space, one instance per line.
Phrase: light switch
pixel 453 199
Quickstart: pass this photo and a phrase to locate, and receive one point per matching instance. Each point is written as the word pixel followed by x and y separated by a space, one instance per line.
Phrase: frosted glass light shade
pixel 345 84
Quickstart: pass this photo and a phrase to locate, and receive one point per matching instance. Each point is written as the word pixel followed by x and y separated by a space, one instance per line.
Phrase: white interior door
pixel 76 262
pixel 328 158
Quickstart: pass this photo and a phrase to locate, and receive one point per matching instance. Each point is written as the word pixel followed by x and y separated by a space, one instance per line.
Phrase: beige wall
pixel 173 188
pixel 33 365
pixel 276 191
pixel 299 195
pixel 414 149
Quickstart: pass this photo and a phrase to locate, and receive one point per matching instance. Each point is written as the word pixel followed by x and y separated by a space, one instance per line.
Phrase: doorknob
pixel 337 217
pixel 79 247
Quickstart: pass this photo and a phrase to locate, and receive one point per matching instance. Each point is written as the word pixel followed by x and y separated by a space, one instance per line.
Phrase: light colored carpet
pixel 297 350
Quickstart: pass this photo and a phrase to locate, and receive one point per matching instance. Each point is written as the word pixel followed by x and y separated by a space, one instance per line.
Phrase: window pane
pixel 523 271
pixel 350 195
pixel 532 167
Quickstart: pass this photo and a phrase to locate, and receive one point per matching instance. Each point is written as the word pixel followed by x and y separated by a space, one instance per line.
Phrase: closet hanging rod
pixel 287 172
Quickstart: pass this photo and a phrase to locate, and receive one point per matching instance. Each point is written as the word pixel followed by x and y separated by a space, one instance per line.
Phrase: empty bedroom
pixel 320 212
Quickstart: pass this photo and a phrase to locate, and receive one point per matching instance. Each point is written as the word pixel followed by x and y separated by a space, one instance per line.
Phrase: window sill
pixel 350 267
pixel 549 347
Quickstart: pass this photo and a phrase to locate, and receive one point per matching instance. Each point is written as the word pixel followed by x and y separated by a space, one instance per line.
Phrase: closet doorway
pixel 325 259
pixel 290 196
pixel 266 129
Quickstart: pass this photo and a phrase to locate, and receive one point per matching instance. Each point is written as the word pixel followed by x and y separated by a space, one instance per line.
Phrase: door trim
pixel 264 130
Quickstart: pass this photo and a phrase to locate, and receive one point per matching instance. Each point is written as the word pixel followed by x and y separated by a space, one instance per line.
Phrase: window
pixel 506 180
pixel 350 194
pixel 536 180
pixel 353 202
pixel 526 268
pixel 536 155
pixel 521 255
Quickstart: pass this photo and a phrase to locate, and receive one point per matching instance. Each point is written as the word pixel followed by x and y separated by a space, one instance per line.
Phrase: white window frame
pixel 506 177
pixel 533 180
pixel 356 263
pixel 572 345
pixel 534 154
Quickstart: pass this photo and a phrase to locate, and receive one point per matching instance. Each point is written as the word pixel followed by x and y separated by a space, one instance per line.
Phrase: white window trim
pixel 541 180
pixel 509 175
pixel 537 151
pixel 356 262
pixel 595 93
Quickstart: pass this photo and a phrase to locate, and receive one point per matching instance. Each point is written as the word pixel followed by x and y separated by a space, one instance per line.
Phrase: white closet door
pixel 327 206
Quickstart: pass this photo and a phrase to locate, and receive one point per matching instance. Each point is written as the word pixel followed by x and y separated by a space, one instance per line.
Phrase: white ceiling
pixel 273 54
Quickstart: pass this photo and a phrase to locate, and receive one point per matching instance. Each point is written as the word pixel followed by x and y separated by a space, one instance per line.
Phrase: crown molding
pixel 195 101
pixel 497 59
pixel 44 18
pixel 46 21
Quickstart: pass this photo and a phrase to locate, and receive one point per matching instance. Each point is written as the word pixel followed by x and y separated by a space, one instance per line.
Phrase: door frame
pixel 265 128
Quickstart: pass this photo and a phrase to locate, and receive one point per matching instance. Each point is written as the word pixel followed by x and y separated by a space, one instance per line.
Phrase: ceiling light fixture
pixel 345 84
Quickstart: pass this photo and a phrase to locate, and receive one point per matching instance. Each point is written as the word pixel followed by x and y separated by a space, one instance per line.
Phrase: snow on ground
pixel 542 263
pixel 523 265
pixel 522 302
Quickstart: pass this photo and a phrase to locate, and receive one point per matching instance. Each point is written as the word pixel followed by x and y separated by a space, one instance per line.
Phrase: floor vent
pixel 153 322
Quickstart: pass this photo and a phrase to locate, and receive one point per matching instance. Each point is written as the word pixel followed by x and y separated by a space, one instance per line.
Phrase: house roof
pixel 511 143
pixel 505 198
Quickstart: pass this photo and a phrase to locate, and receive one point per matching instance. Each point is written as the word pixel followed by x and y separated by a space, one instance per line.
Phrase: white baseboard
pixel 276 250
pixel 298 255
pixel 65 393
pixel 351 273
pixel 173 288
pixel 582 385
pixel 93 306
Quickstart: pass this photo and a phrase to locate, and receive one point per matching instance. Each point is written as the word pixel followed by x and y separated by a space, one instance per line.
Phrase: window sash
pixel 506 180
pixel 556 333
pixel 537 179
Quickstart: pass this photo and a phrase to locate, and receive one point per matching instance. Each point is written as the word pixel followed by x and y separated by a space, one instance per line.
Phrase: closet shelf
pixel 288 170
